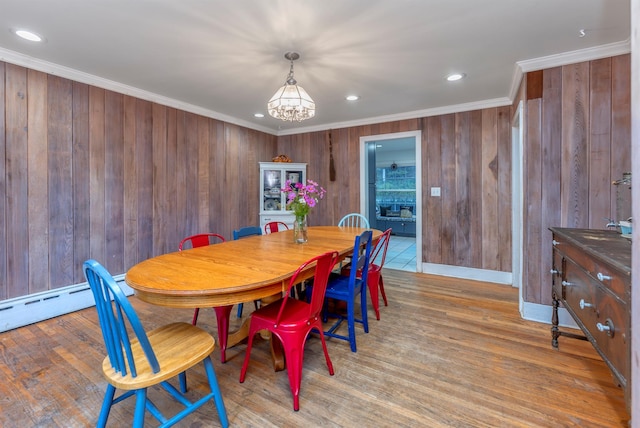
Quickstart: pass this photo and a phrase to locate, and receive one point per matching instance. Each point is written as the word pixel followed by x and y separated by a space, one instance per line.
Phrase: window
pixel 395 190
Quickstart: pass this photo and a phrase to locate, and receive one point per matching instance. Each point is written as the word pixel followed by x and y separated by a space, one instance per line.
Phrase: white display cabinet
pixel 273 202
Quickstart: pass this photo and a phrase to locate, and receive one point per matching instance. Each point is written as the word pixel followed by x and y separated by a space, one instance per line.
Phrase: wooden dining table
pixel 232 272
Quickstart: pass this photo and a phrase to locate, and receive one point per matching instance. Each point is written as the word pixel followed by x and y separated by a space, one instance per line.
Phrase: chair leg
pixel 195 316
pixel 215 389
pixel 351 324
pixel 318 327
pixel 240 307
pixel 222 317
pixel 247 355
pixel 182 377
pixel 363 308
pixel 372 284
pixel 141 405
pixel 106 406
pixel 384 296
pixel 293 354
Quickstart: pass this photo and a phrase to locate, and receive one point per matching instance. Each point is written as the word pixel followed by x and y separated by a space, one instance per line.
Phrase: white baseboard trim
pixel 528 311
pixel 468 273
pixel 37 307
pixel 542 313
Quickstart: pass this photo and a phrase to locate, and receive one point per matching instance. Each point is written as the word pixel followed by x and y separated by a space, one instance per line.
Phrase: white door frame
pixel 517 203
pixel 364 194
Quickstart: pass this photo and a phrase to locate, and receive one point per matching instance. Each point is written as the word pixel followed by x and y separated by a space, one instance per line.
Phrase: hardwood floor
pixel 445 353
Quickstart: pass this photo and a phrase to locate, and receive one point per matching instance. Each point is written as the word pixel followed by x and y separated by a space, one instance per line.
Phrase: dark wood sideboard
pixel 592 280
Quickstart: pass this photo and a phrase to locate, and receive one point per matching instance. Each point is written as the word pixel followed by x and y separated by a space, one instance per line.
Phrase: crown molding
pixel 572 57
pixel 521 67
pixel 90 79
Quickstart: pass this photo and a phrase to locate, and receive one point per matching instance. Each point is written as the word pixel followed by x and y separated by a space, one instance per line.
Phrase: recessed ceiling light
pixel 455 76
pixel 258 115
pixel 352 97
pixel 28 35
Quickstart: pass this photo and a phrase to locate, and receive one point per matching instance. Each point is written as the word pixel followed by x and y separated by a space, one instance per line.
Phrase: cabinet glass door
pixel 272 198
pixel 293 176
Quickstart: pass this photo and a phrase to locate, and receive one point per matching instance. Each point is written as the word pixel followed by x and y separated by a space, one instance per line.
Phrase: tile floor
pixel 401 254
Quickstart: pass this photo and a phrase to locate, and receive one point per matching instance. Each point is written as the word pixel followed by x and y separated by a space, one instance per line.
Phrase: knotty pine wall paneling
pixel 600 189
pixel 80 173
pixel 114 181
pixel 143 176
pixel 620 114
pixel 91 173
pixel 534 234
pixel 575 164
pixel 3 188
pixel 503 169
pixel 37 160
pixel 551 173
pixel 467 154
pixel 449 213
pixel 432 153
pixel 577 143
pixel 58 173
pixel 16 181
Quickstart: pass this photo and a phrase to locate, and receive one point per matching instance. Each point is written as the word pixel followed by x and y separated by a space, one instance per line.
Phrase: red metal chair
pixel 374 277
pixel 223 313
pixel 292 320
pixel 275 226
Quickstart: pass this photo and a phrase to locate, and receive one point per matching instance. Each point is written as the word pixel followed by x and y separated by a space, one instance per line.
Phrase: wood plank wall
pixel 467 154
pixel 578 140
pixel 87 172
pixel 90 173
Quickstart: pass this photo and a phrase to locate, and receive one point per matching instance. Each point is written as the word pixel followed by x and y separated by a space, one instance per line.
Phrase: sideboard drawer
pixel 580 295
pixel 591 276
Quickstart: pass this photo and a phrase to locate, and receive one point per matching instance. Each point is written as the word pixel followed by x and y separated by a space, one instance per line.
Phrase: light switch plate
pixel 435 191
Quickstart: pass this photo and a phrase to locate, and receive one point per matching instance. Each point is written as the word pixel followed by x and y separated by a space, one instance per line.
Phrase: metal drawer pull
pixel 553 271
pixel 584 304
pixel 607 326
pixel 602 277
pixel 567 283
pixel 554 242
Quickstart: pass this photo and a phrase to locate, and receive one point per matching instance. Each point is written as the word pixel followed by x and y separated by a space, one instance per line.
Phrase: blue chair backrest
pixel 360 258
pixel 246 231
pixel 113 320
pixel 354 220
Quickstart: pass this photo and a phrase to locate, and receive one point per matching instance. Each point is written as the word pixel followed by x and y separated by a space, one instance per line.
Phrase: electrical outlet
pixel 435 191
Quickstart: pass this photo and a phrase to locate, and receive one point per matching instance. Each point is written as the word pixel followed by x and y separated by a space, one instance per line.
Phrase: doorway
pixel 391 194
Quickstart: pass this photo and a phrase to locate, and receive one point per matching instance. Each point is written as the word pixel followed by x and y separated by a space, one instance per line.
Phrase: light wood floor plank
pixel 445 353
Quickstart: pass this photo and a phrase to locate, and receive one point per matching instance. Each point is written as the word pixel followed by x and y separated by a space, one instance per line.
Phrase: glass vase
pixel 300 229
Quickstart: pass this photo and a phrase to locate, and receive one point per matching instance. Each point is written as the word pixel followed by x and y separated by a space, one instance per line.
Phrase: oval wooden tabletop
pixel 233 271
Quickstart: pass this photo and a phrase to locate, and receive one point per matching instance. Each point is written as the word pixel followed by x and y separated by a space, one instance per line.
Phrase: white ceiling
pixel 225 58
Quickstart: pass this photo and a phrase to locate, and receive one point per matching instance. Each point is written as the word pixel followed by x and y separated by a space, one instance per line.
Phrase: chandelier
pixel 291 102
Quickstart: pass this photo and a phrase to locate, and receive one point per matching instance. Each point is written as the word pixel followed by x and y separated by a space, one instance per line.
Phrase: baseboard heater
pixel 36 307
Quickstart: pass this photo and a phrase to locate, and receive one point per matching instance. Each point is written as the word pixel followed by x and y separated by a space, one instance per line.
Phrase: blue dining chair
pixel 150 358
pixel 244 232
pixel 348 287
